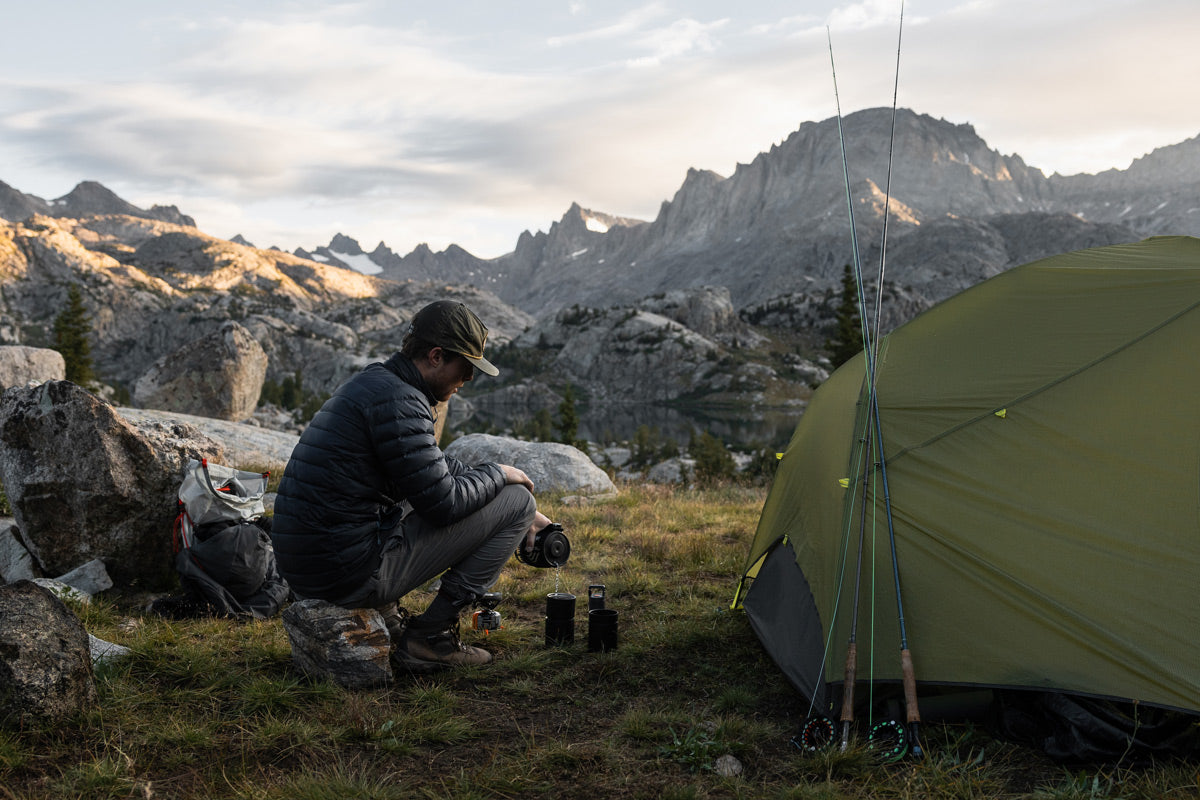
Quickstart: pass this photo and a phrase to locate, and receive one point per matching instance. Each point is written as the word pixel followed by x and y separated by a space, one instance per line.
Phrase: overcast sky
pixel 469 122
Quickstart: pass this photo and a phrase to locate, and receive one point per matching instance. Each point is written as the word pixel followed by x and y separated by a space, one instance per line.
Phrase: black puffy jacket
pixel 370 448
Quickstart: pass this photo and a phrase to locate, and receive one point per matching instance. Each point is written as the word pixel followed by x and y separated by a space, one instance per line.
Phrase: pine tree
pixel 71 330
pixel 645 446
pixel 291 391
pixel 542 428
pixel 846 341
pixel 567 423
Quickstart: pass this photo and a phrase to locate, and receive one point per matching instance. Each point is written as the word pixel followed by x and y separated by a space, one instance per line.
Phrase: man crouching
pixel 370 507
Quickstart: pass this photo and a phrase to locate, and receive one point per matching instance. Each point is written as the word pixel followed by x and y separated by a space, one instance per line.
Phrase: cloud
pixel 642 31
pixel 867 14
pixel 679 38
pixel 627 23
pixel 408 128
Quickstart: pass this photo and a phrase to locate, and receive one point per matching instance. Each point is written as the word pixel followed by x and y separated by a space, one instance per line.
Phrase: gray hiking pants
pixel 470 552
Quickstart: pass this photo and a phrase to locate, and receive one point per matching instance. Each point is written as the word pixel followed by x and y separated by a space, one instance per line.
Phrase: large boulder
pixel 83 483
pixel 707 310
pixel 625 355
pixel 45 658
pixel 19 365
pixel 552 467
pixel 220 375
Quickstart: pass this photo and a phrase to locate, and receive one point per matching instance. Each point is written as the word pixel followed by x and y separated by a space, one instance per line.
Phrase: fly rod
pixel 851 667
pixel 870 353
pixel 907 674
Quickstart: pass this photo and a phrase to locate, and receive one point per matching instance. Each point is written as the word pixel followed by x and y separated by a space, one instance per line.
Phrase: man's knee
pixel 519 499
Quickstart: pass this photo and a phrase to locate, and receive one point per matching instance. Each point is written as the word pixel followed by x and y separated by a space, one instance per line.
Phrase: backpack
pixel 222 545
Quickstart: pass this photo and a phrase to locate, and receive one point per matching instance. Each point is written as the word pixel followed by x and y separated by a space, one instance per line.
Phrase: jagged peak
pixel 1188 148
pixel 340 243
pixel 90 198
pixel 705 175
pixel 90 192
pixel 594 221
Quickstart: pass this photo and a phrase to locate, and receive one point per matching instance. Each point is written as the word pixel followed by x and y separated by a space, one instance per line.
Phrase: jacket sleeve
pixel 455 466
pixel 441 489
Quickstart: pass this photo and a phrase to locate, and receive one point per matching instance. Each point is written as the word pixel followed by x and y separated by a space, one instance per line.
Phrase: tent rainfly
pixel 1041 436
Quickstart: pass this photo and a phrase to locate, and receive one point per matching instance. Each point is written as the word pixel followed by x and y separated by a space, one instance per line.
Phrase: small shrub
pixel 695 749
pixel 713 462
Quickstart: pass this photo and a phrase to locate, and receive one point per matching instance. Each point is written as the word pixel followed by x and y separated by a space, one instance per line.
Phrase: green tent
pixel 1041 432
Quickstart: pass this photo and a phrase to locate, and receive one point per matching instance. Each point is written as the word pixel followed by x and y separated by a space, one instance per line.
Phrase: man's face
pixel 449 371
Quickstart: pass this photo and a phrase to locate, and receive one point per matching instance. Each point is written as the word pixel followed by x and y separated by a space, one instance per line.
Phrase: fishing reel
pixel 889 740
pixel 815 736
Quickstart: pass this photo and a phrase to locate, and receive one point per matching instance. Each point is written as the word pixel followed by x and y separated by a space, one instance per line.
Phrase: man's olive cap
pixel 450 325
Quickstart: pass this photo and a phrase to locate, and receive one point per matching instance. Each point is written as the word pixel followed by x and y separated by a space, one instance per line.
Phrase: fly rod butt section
pixel 912 712
pixel 847 717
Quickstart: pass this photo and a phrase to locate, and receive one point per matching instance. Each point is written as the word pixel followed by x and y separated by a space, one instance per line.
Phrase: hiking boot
pixel 428 650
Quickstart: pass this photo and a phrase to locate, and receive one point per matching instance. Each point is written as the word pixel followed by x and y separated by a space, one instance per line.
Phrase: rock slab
pixel 553 467
pixel 350 646
pixel 45 657
pixel 244 444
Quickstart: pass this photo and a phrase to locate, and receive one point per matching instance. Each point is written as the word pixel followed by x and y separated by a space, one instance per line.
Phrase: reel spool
pixel 815 736
pixel 889 740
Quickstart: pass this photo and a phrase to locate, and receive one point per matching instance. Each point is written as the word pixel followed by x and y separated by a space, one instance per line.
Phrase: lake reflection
pixel 759 428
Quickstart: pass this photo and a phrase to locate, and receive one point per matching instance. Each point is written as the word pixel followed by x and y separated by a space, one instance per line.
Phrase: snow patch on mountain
pixel 361 262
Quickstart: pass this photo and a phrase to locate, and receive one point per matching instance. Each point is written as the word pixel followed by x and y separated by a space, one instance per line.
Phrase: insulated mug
pixel 602 630
pixel 560 618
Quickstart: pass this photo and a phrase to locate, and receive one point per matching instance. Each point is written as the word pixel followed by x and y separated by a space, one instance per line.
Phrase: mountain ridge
pixel 783 215
pixel 87 198
pixel 780 219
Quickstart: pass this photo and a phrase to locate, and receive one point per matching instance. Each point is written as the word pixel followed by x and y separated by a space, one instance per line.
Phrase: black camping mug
pixel 560 619
pixel 602 630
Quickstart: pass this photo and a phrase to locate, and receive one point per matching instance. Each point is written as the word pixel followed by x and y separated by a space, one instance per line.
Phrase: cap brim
pixel 482 364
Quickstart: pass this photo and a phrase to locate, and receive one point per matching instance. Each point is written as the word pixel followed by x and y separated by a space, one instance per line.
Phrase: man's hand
pixel 540 521
pixel 514 475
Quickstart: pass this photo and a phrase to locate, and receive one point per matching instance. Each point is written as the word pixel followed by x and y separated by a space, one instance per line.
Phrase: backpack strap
pixel 183 531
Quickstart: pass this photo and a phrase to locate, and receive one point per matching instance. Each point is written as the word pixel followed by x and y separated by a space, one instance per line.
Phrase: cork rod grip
pixel 910 686
pixel 848 689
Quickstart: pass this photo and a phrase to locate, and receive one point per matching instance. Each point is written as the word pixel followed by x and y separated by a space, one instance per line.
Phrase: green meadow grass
pixel 212 709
